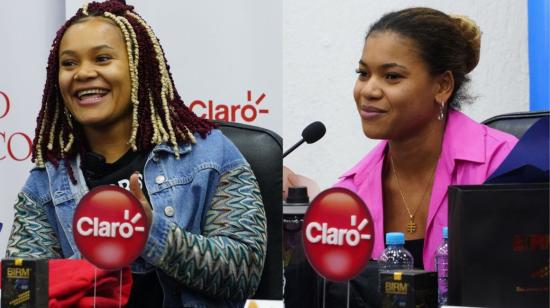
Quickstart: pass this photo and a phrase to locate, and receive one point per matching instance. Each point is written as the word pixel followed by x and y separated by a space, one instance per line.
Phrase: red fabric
pixel 71 284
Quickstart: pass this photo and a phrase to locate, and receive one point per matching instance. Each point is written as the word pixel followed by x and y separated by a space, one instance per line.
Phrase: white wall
pixel 26 35
pixel 322 43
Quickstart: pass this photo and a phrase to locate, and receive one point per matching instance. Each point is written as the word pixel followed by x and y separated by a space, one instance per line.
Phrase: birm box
pixel 408 288
pixel 24 283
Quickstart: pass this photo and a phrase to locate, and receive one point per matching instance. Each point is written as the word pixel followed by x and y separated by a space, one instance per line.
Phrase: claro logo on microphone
pixel 88 226
pixel 321 233
pixel 338 234
pixel 110 227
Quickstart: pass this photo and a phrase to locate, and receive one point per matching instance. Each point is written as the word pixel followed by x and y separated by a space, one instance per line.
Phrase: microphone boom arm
pixel 293 148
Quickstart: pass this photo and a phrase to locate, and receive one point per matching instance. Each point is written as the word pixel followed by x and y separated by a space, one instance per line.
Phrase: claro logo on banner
pixel 248 112
pixel 17 145
pixel 14 145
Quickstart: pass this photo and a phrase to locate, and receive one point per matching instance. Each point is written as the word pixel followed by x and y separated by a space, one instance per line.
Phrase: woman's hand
pixel 291 179
pixel 135 188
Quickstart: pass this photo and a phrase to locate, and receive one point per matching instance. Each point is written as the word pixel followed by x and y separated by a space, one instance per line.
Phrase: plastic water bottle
pixel 395 256
pixel 441 262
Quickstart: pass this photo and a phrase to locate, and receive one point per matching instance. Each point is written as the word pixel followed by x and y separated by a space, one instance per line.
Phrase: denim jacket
pixel 207 240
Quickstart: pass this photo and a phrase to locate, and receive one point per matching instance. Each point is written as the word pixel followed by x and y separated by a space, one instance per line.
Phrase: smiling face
pixel 94 75
pixel 394 92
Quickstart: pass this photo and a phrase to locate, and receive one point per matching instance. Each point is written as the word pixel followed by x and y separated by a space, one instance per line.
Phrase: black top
pixel 98 172
pixel 416 248
pixel 146 288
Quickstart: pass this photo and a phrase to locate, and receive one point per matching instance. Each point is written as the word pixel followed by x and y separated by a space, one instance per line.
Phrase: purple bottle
pixel 441 262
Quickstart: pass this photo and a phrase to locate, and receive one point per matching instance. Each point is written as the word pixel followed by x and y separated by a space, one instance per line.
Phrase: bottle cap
pixel 297 195
pixel 395 238
pixel 445 233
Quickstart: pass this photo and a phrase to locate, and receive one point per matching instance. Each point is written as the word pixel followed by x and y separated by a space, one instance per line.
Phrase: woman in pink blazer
pixel 411 76
pixel 411 79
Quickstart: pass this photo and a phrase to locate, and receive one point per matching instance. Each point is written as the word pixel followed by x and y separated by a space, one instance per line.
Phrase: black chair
pixel 263 149
pixel 516 123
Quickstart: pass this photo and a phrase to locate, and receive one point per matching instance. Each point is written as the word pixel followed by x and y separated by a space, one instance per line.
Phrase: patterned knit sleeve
pixel 227 259
pixel 32 235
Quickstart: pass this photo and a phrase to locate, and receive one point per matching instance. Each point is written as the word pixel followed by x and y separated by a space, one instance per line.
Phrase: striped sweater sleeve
pixel 227 259
pixel 32 235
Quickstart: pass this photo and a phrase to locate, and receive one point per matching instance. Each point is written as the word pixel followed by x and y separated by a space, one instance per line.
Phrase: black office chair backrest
pixel 263 149
pixel 516 123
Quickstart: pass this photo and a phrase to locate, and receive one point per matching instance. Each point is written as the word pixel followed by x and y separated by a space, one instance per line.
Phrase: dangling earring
pixel 68 114
pixel 441 115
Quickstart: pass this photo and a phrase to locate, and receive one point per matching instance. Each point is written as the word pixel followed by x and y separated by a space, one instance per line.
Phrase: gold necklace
pixel 411 225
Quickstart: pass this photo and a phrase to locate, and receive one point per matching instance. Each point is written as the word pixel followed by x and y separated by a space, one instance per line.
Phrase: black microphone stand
pixel 293 148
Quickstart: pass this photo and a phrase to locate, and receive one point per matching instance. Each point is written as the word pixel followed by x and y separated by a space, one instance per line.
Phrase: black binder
pixel 498 245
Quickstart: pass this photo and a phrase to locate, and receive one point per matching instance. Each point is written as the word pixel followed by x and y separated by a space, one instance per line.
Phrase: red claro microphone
pixel 338 234
pixel 110 227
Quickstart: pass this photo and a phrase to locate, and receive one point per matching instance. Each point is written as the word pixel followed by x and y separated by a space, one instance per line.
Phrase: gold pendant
pixel 411 226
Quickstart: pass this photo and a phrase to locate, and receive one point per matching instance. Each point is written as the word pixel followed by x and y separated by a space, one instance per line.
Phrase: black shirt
pixel 146 288
pixel 416 248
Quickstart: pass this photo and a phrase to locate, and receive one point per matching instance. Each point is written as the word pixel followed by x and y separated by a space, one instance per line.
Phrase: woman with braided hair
pixel 111 115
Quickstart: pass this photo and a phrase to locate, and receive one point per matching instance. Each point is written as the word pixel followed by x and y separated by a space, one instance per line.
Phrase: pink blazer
pixel 469 154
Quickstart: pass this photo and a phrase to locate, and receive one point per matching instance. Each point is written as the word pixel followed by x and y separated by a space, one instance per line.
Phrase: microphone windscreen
pixel 313 132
